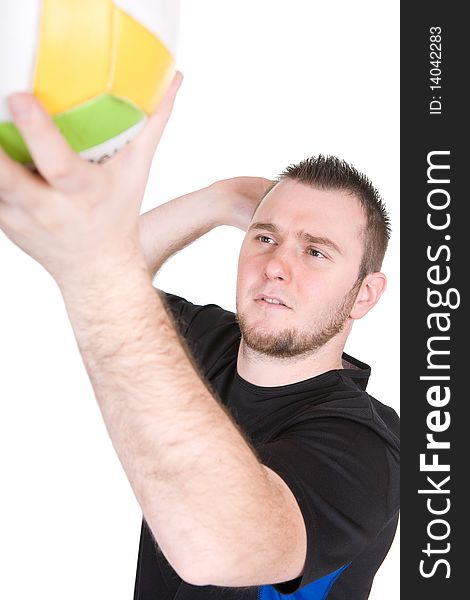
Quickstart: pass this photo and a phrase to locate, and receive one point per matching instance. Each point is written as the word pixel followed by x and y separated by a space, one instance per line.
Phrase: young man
pixel 261 465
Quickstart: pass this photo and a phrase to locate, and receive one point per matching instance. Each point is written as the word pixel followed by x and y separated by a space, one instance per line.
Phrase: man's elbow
pixel 197 573
pixel 216 569
pixel 238 567
pixel 196 577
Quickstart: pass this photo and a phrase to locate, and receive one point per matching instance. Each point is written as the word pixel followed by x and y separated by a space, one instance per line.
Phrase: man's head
pixel 315 244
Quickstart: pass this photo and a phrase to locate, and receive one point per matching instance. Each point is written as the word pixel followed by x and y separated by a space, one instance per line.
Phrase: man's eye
pixel 316 253
pixel 265 239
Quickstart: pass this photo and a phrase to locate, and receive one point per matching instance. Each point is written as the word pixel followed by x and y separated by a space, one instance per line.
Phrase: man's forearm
pixel 172 226
pixel 198 482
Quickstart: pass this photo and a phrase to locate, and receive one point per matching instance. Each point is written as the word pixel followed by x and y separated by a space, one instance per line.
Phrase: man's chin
pixel 279 346
pixel 272 342
pixel 287 343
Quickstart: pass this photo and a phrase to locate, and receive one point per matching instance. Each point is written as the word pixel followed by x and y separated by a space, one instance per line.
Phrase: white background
pixel 267 83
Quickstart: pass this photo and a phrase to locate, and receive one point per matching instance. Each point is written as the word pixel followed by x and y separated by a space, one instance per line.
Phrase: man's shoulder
pixel 177 304
pixel 355 376
pixel 211 332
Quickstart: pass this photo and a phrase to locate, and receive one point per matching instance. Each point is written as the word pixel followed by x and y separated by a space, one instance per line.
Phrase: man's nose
pixel 277 267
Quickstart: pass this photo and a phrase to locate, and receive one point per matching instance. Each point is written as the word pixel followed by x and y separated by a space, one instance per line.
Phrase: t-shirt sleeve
pixel 184 313
pixel 345 480
pixel 210 331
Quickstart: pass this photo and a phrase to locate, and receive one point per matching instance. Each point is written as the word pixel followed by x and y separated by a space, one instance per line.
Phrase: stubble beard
pixel 291 343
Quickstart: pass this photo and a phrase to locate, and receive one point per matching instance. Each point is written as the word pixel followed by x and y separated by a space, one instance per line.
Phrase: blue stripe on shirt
pixel 317 590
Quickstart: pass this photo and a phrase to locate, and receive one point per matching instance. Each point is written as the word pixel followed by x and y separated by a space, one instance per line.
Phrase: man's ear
pixel 372 287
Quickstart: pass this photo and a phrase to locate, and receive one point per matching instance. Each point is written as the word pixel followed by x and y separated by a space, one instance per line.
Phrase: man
pixel 261 465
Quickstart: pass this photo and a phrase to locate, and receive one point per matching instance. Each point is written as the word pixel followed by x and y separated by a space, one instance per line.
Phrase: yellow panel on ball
pixel 143 66
pixel 72 67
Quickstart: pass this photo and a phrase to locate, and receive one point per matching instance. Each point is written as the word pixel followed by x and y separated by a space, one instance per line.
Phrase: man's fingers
pixel 56 161
pixel 17 184
pixel 52 156
pixel 7 174
pixel 12 220
pixel 149 137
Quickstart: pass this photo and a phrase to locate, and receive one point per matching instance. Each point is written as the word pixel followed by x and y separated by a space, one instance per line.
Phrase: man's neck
pixel 268 371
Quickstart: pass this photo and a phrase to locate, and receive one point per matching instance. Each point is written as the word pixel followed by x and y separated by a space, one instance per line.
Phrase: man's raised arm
pixel 168 228
pixel 203 491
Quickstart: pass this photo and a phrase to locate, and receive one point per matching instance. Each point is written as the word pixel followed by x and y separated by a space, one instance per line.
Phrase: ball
pixel 99 67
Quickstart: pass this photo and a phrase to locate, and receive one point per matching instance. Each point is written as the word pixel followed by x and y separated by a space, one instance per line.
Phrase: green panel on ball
pixel 97 121
pixel 12 142
pixel 84 127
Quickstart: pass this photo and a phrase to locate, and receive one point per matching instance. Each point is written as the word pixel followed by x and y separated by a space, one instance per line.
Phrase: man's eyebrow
pixel 320 241
pixel 306 237
pixel 266 226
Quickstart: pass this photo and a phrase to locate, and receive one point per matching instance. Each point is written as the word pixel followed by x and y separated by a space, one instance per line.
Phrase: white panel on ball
pixel 161 17
pixel 19 25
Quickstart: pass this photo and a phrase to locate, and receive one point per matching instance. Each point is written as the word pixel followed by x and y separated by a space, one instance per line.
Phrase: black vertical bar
pixel 434 292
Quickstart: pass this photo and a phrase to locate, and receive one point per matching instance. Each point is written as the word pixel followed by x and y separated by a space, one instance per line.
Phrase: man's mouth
pixel 271 300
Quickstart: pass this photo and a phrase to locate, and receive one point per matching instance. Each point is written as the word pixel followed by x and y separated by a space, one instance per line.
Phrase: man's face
pixel 298 269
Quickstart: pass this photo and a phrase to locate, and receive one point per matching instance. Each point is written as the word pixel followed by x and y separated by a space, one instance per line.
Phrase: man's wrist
pixel 112 311
pixel 223 207
pixel 103 275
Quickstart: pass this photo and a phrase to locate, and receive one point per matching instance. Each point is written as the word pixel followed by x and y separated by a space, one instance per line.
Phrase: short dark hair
pixel 332 173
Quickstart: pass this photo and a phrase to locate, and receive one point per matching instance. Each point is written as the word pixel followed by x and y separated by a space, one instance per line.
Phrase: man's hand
pixel 72 213
pixel 239 197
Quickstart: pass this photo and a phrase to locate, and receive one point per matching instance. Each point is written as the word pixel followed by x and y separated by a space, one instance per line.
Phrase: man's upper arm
pixel 270 544
pixel 332 498
pixel 293 539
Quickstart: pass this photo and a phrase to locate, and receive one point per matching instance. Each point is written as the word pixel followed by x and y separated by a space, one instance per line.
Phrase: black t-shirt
pixel 336 447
